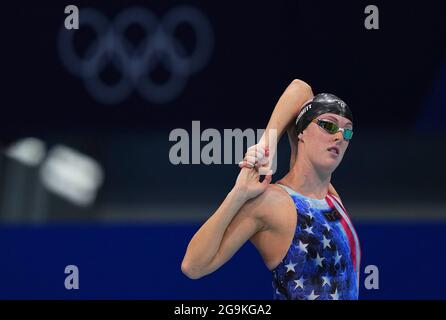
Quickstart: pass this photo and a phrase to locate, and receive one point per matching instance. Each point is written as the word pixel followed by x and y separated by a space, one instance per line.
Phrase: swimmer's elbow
pixel 300 85
pixel 190 271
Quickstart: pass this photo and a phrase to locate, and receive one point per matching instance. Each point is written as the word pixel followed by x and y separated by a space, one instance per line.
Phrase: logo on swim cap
pixel 342 103
pixel 304 110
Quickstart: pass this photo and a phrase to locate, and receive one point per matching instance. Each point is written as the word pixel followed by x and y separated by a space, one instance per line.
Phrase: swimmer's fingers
pixel 262 170
pixel 253 160
pixel 256 159
pixel 256 156
pixel 245 164
pixel 257 162
pixel 250 161
pixel 265 171
pixel 268 177
pixel 256 150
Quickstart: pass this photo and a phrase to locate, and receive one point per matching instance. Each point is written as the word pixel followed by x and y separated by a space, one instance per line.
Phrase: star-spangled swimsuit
pixel 323 259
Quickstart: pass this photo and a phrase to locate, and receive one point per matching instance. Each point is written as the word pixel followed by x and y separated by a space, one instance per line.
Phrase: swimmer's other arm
pixel 236 220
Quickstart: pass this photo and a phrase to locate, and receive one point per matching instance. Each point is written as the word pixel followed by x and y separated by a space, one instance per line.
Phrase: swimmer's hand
pixel 257 156
pixel 248 183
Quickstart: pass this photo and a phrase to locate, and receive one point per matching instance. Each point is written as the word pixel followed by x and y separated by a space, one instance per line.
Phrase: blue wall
pixel 128 261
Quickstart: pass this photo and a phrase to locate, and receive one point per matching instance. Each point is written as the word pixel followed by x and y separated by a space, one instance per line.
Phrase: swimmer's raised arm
pixel 283 119
pixel 236 220
pixel 286 110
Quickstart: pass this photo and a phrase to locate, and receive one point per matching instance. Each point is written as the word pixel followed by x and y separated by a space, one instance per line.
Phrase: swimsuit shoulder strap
pixel 287 189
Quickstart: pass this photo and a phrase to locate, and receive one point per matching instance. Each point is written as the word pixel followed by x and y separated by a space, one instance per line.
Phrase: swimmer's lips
pixel 334 150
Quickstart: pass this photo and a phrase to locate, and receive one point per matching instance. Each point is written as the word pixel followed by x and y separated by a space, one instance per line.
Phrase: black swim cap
pixel 320 104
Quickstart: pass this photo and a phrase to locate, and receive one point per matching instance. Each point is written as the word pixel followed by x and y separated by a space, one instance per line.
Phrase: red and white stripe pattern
pixel 350 232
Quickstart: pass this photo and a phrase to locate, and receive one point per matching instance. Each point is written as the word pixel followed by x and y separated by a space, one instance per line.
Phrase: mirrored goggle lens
pixel 329 126
pixel 348 134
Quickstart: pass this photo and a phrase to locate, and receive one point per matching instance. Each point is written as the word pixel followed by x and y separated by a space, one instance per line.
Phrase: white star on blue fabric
pixel 335 295
pixel 326 242
pixel 310 214
pixel 290 266
pixel 302 246
pixel 337 257
pixel 326 280
pixel 326 225
pixel 309 230
pixel 318 260
pixel 312 296
pixel 299 283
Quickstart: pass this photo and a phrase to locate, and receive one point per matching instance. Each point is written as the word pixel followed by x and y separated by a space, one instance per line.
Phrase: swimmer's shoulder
pixel 276 195
pixel 274 201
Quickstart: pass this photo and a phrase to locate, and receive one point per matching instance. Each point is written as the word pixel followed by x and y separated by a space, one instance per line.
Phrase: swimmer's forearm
pixel 287 109
pixel 205 243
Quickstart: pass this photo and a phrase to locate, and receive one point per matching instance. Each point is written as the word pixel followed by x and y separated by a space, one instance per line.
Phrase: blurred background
pixel 85 175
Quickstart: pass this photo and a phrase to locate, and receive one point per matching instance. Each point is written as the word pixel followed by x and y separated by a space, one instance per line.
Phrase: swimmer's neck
pixel 304 178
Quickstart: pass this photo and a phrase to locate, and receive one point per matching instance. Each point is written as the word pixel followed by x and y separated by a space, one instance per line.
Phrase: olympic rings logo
pixel 135 63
